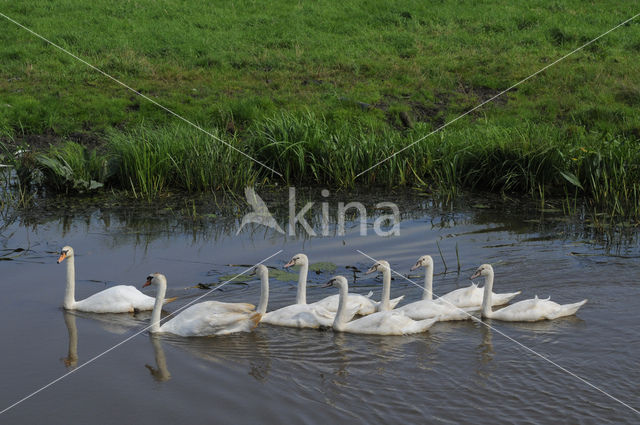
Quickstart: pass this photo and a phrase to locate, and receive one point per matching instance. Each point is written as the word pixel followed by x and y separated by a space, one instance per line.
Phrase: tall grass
pixel 156 159
pixel 536 160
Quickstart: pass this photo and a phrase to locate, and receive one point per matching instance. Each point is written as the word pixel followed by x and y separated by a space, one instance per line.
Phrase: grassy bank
pixel 321 91
pixel 536 160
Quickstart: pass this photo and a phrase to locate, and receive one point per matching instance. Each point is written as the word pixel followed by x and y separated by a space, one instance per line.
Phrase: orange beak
pixel 147 283
pixel 62 257
pixel 289 264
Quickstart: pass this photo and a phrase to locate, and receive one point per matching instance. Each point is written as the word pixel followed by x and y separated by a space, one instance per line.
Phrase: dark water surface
pixel 458 372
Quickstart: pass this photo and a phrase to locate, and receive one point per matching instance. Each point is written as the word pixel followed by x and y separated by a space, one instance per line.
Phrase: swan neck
pixel 70 291
pixel 385 304
pixel 428 283
pixel 301 297
pixel 488 292
pixel 264 293
pixel 340 319
pixel 157 307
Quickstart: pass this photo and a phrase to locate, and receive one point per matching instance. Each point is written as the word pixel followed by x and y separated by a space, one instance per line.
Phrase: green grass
pixel 320 91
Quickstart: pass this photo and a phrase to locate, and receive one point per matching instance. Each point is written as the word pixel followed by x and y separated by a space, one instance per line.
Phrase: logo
pixel 383 225
pixel 260 214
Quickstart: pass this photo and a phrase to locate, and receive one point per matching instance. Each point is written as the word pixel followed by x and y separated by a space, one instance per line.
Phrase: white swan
pixel 379 323
pixel 363 304
pixel 523 311
pixel 299 315
pixel 117 299
pixel 427 308
pixel 386 303
pixel 203 319
pixel 463 297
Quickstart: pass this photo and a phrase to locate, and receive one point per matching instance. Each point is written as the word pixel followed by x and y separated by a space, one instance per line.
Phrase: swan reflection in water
pixel 250 349
pixel 71 361
pixel 117 324
pixel 161 372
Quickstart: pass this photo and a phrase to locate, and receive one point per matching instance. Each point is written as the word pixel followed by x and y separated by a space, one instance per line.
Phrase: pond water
pixel 459 372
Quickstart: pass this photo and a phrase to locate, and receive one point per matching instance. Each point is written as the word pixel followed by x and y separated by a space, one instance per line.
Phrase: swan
pixel 463 297
pixel 117 299
pixel 379 323
pixel 523 311
pixel 427 308
pixel 299 315
pixel 203 319
pixel 363 304
pixel 386 303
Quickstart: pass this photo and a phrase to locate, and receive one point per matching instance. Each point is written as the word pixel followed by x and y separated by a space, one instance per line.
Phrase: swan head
pixel 65 252
pixel 155 278
pixel 379 266
pixel 337 281
pixel 259 270
pixel 297 260
pixel 424 261
pixel 483 270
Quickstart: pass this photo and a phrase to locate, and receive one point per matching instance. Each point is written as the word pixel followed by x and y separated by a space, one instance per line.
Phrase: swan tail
pixel 170 300
pixel 567 309
pixel 394 302
pixel 501 299
pixel 255 318
pixel 422 325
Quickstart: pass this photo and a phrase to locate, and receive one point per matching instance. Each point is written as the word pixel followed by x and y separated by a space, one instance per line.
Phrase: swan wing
pixel 222 307
pixel 388 323
pixel 428 309
pixel 299 316
pixel 392 303
pixel 208 319
pixel 117 299
pixel 363 305
pixel 501 299
pixel 464 297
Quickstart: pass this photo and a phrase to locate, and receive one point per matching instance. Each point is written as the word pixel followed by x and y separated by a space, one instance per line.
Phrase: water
pixel 460 372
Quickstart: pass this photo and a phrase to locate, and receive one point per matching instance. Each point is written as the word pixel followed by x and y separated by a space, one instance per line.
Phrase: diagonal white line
pixel 543 357
pixel 140 94
pixel 91 360
pixel 497 95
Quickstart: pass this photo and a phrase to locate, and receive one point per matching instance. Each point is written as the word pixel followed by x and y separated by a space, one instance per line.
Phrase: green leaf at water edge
pixel 571 178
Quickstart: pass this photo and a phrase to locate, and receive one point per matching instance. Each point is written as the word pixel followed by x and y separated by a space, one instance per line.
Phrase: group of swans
pixel 336 311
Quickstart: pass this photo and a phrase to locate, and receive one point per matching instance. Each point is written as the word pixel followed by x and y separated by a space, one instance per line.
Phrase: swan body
pixel 117 299
pixel 364 305
pixel 427 308
pixel 531 310
pixel 301 314
pixel 472 296
pixel 380 323
pixel 203 319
